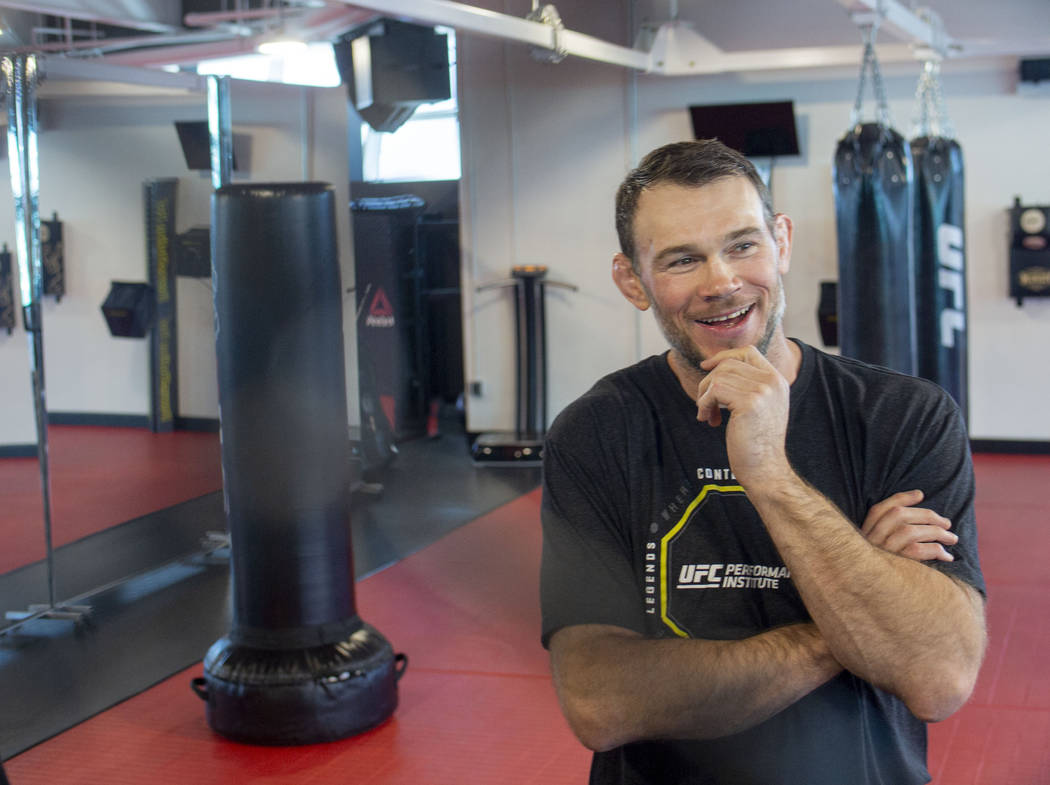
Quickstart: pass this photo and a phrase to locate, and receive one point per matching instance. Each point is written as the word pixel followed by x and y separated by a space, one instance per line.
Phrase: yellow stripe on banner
pixel 670 535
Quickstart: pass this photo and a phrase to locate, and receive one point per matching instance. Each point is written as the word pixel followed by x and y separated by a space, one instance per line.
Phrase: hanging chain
pixel 871 62
pixel 947 130
pixel 933 116
pixel 924 125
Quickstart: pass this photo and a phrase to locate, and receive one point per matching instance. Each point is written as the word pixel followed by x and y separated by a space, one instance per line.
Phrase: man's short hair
pixel 694 164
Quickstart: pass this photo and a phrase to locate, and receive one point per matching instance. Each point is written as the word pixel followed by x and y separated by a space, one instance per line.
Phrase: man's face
pixel 709 267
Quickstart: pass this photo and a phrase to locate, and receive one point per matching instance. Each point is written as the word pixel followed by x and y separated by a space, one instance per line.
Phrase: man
pixel 738 583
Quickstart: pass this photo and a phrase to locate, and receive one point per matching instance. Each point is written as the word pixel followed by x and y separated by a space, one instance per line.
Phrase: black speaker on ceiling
pixel 390 68
pixel 129 309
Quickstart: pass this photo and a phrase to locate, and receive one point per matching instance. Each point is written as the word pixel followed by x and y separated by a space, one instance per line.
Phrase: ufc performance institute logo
pixel 730 576
pixel 700 576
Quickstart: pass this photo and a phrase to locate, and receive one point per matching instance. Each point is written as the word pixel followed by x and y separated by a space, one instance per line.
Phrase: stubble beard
pixel 683 345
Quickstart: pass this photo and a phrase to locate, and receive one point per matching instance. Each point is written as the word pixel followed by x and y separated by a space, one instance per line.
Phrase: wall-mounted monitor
pixel 196 145
pixel 759 130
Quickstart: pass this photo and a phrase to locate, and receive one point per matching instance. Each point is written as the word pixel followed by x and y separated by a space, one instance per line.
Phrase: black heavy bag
pixel 873 207
pixel 298 665
pixel 940 264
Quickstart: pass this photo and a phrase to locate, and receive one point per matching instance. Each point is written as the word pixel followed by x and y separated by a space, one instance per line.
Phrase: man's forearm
pixel 616 686
pixel 892 621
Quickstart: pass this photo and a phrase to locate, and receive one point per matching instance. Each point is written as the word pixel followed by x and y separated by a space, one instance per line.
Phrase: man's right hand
pixel 898 526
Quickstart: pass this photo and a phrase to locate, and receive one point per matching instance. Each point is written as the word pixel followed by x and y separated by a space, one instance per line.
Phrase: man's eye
pixel 744 247
pixel 681 262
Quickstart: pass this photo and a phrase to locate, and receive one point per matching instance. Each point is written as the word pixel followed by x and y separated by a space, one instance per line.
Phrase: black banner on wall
pixel 7 297
pixel 160 233
pixel 52 252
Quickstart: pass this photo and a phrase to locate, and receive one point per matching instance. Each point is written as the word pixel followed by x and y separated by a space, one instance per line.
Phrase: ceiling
pixel 742 25
pixel 722 35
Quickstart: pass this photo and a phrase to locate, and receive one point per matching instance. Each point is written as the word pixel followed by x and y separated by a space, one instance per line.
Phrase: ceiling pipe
pixel 321 25
pixel 211 18
pixel 101 45
pixel 66 31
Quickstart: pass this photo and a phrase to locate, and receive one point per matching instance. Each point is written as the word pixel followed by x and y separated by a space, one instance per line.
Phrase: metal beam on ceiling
pixel 154 16
pixel 674 48
pixel 95 70
pixel 920 27
pixel 480 21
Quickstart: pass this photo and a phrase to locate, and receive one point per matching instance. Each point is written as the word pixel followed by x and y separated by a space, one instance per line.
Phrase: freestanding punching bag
pixel 940 248
pixel 873 186
pixel 299 665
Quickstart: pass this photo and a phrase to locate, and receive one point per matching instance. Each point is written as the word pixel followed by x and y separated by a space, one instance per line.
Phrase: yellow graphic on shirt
pixel 664 578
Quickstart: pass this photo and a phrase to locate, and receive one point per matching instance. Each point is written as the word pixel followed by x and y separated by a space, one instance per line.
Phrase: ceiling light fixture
pixel 282 47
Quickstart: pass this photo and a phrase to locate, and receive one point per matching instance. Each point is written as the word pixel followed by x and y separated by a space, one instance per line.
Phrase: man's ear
pixel 783 230
pixel 626 280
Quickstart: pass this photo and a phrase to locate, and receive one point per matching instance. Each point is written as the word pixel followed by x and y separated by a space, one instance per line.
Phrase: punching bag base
pixel 300 696
pixel 507 449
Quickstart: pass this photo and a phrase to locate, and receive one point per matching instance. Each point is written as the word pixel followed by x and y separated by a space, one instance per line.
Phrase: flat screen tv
pixel 196 145
pixel 757 130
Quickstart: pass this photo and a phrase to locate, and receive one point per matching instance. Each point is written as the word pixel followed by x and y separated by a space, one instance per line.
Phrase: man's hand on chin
pixel 757 397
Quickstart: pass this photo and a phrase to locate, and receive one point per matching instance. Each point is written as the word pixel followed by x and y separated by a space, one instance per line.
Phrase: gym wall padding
pixel 940 265
pixel 164 338
pixel 298 665
pixel 7 296
pixel 874 201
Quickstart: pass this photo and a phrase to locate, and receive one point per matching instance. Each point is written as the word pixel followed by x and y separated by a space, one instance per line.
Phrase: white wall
pixel 545 147
pixel 96 150
pixel 1000 133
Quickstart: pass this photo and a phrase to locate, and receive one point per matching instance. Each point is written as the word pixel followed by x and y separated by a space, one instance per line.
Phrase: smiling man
pixel 759 560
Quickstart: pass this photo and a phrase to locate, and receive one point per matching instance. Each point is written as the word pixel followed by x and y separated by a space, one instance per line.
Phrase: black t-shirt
pixel 645 527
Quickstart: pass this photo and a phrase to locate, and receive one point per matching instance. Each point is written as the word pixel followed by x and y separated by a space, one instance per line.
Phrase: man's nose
pixel 717 279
